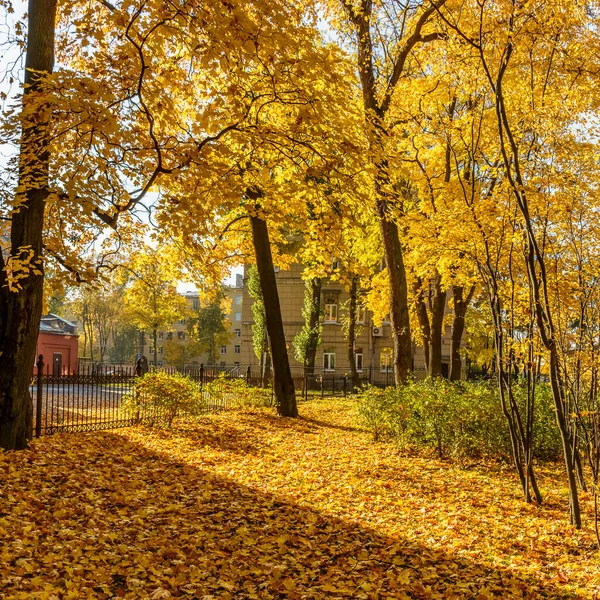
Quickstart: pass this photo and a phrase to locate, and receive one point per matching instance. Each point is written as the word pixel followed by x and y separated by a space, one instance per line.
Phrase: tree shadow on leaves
pixel 131 522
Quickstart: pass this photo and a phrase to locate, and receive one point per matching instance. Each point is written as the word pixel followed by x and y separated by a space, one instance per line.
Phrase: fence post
pixel 38 405
pixel 322 385
pixel 248 375
pixel 201 375
pixel 345 379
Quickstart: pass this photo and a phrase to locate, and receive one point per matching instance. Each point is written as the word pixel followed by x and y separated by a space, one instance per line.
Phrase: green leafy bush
pixel 225 392
pixel 160 397
pixel 457 420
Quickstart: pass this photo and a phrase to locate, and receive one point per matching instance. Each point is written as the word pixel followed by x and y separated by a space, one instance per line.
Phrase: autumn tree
pixel 117 109
pixel 385 35
pixel 151 299
pixel 209 327
pixel 181 352
pixel 264 175
pixel 22 270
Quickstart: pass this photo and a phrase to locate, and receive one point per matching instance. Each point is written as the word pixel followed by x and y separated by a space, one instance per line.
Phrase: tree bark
pixel 283 383
pixel 21 310
pixel 351 338
pixel 437 307
pixel 399 314
pixel 423 317
pixel 155 342
pixel 458 327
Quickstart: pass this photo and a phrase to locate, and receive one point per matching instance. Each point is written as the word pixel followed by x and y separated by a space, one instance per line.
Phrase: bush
pixel 160 397
pixel 235 393
pixel 457 420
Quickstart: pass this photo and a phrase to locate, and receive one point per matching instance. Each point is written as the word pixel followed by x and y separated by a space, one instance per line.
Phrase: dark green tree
pixel 308 339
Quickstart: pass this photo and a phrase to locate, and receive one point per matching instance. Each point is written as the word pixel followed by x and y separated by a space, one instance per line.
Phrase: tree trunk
pixel 399 314
pixel 313 324
pixel 351 339
pixel 90 330
pixel 537 275
pixel 21 310
pixel 458 327
pixel 283 383
pixel 155 342
pixel 424 326
pixel 437 307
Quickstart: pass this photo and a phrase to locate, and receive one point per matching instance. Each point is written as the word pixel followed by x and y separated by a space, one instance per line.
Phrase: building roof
pixel 52 323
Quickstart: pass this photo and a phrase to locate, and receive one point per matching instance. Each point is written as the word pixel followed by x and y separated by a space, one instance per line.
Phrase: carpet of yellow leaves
pixel 247 505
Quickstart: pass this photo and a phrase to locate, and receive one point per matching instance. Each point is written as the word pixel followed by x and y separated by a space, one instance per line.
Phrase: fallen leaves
pixel 247 505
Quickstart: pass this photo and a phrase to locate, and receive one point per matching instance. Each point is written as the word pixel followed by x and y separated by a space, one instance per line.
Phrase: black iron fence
pixel 95 396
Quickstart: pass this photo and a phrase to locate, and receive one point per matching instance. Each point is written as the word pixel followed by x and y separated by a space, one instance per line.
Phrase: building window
pixel 223 363
pixel 335 263
pixel 238 300
pixel 236 363
pixel 223 349
pixel 329 360
pixel 195 304
pixel 358 359
pixel 161 335
pixel 360 314
pixel 181 335
pixel 236 349
pixel 238 316
pixel 160 349
pixel 385 359
pixel 238 333
pixel 330 312
pixel 170 335
pixel 181 321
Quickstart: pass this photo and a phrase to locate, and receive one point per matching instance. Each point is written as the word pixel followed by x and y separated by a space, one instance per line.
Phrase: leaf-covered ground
pixel 248 505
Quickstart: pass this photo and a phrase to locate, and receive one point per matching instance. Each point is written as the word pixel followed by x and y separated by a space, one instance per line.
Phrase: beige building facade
pixel 373 348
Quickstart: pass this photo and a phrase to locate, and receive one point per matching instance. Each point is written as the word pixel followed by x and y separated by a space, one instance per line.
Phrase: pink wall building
pixel 58 343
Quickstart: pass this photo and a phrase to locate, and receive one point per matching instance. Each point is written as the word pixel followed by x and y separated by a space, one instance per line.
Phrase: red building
pixel 58 344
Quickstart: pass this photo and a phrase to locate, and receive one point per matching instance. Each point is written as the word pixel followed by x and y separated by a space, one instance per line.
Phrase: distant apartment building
pixel 227 354
pixel 373 353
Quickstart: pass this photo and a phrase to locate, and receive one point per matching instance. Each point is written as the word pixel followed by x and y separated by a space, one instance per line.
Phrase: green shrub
pixel 548 445
pixel 457 420
pixel 235 393
pixel 160 397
